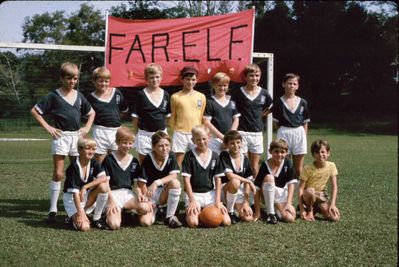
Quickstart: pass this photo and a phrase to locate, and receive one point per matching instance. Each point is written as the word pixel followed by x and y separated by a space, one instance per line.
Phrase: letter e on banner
pixel 209 43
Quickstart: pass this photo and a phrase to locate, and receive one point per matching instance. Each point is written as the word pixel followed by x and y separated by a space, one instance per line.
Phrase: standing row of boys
pixel 216 146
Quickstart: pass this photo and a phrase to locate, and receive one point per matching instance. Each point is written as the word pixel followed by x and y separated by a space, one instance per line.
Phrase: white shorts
pixel 69 204
pixel 204 199
pixel 295 138
pixel 105 138
pixel 122 196
pixel 241 195
pixel 280 194
pixel 155 197
pixel 215 144
pixel 181 142
pixel 252 142
pixel 143 143
pixel 66 145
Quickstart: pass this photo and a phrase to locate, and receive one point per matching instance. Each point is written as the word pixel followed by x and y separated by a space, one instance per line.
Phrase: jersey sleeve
pixel 173 165
pixel 44 105
pixel 98 170
pixel 261 175
pixel 291 176
pixel 186 165
pixel 73 177
pixel 122 104
pixel 167 98
pixel 334 171
pixel 135 170
pixel 85 107
pixel 225 162
pixel 277 110
pixel 268 100
pixel 218 170
pixel 135 105
pixel 247 168
pixel 208 110
pixel 143 176
pixel 106 166
pixel 203 99
pixel 305 174
pixel 306 113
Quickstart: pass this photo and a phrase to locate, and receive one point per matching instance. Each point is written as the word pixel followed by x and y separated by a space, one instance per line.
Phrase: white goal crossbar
pixel 255 55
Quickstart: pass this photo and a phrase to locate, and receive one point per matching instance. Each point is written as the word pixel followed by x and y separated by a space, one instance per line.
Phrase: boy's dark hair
pixel 156 137
pixel 251 68
pixel 317 145
pixel 188 71
pixel 291 76
pixel 278 144
pixel 231 135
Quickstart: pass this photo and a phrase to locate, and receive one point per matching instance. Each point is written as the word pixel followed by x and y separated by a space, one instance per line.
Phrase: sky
pixel 13 13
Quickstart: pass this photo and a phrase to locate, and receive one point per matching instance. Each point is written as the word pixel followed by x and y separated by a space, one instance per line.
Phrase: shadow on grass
pixel 30 212
pixel 359 128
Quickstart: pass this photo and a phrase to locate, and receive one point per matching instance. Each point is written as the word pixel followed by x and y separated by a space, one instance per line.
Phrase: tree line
pixel 345 54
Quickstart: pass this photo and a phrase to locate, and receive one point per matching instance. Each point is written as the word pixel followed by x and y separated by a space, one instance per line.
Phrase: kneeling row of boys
pixel 208 179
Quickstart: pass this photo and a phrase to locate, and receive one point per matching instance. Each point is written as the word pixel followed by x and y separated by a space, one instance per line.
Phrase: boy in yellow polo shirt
pixel 312 188
pixel 187 109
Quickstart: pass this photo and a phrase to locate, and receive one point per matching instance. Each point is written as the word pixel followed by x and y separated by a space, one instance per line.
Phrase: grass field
pixel 366 235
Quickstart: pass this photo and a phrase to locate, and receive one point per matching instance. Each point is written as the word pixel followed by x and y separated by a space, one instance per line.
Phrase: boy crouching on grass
pixel 201 173
pixel 122 169
pixel 86 188
pixel 312 195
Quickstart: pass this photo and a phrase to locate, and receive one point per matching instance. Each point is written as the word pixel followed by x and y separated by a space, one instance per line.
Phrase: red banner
pixel 211 44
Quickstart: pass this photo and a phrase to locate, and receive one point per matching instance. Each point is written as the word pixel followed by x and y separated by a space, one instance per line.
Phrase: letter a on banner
pixel 210 43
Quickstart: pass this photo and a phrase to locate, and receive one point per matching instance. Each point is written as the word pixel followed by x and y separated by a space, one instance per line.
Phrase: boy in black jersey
pixel 253 102
pixel 291 115
pixel 276 183
pixel 67 106
pixel 151 110
pixel 237 182
pixel 201 173
pixel 107 102
pixel 122 169
pixel 220 112
pixel 85 188
pixel 158 177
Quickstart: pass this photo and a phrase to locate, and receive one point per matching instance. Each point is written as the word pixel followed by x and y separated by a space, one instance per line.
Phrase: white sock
pixel 55 188
pixel 100 204
pixel 268 190
pixel 173 202
pixel 230 201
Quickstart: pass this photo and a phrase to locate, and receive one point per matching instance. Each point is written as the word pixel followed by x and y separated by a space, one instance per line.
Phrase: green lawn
pixel 366 235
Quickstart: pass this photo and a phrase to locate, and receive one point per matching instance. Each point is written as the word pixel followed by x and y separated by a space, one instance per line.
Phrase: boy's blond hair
pixel 101 72
pixel 199 130
pixel 124 134
pixel 152 68
pixel 86 142
pixel 69 69
pixel 220 77
pixel 278 144
pixel 251 68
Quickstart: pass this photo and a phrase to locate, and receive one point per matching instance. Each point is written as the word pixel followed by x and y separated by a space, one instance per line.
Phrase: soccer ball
pixel 211 216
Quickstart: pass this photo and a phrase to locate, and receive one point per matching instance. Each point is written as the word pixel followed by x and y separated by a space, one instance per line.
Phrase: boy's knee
pixel 58 175
pixel 103 187
pixel 113 222
pixel 268 178
pixel 234 184
pixel 85 227
pixel 143 208
pixel 192 222
pixel 174 184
